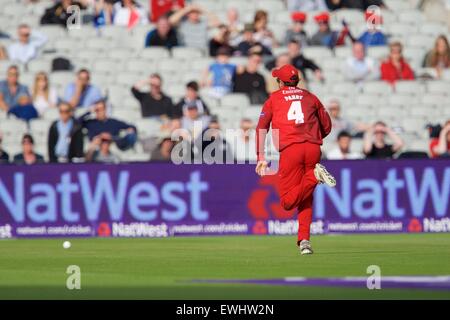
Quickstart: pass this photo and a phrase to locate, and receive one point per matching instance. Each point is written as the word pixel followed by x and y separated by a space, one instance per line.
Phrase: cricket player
pixel 299 123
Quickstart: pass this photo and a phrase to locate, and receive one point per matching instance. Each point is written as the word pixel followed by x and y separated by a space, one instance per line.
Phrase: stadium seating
pixel 118 59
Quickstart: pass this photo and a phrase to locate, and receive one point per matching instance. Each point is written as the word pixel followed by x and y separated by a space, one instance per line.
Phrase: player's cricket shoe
pixel 305 247
pixel 323 176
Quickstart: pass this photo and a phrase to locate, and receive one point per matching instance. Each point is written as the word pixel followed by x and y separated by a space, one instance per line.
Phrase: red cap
pixel 286 73
pixel 322 17
pixel 374 18
pixel 298 16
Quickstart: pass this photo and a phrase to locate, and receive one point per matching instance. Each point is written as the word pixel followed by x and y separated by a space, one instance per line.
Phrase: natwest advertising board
pixel 161 200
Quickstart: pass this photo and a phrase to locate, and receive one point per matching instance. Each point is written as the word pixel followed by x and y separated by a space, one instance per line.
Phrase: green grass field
pixel 164 268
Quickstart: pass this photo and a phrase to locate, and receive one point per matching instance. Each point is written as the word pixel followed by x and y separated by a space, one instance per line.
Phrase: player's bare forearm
pixel 261 134
pixel 325 122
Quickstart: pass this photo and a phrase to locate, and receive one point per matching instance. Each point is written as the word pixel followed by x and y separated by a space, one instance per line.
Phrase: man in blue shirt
pixel 101 124
pixel 81 93
pixel 12 93
pixel 15 98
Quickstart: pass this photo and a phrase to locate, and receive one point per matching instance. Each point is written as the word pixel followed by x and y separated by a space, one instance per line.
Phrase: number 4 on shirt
pixel 295 112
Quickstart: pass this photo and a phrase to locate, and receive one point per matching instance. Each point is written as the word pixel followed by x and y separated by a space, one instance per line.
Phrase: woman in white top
pixel 44 97
pixel 129 13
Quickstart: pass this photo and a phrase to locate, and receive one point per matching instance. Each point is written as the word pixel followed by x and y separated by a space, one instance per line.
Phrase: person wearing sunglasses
pixel 27 46
pixel 375 144
pixel 28 156
pixel 65 137
pixel 154 103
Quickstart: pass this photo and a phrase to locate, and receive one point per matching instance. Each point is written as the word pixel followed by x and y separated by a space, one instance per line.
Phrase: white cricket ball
pixel 66 244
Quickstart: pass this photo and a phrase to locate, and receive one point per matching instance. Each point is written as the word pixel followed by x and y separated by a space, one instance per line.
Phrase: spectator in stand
pixel 262 34
pixel 28 44
pixel 249 45
pixel 296 31
pixel 28 156
pixel 163 35
pixel 306 5
pixel 193 23
pixel 154 104
pixel 15 98
pixel 13 93
pixel 194 122
pixel 359 68
pixel 44 96
pixel 281 60
pixel 100 150
pixel 395 66
pixel 82 93
pixel 250 81
pixel 339 123
pixel 327 37
pixel 301 62
pixel 234 25
pixel 439 56
pixel 103 12
pixel 353 4
pixel 129 13
pixel 245 144
pixel 220 40
pixel 161 8
pixel 101 123
pixel 191 98
pixel 4 156
pixel 215 148
pixel 342 151
pixel 324 36
pixel 163 150
pixel 440 147
pixel 296 58
pixel 220 74
pixel 58 13
pixel 375 146
pixel 373 35
pixel 65 137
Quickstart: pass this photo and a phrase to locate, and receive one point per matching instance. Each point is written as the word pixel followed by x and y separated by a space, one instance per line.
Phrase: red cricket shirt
pixel 297 114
